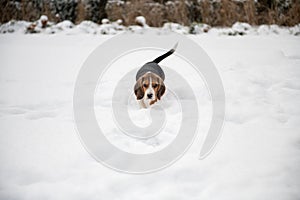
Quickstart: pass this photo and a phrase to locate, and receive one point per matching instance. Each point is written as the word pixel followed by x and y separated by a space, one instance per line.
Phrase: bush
pixel 157 12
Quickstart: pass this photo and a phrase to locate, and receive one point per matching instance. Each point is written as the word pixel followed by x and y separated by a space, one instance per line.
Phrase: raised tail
pixel 160 58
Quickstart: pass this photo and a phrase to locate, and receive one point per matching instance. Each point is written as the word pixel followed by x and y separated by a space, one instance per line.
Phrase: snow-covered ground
pixel 258 156
pixel 112 28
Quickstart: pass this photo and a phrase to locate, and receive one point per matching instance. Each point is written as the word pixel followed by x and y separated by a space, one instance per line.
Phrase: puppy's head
pixel 149 87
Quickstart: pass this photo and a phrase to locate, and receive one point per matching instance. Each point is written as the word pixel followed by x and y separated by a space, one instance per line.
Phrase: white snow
pixel 241 28
pixel 44 18
pixel 258 156
pixel 170 26
pixel 109 81
pixel 104 21
pixel 119 21
pixel 112 28
pixel 141 20
pixel 14 26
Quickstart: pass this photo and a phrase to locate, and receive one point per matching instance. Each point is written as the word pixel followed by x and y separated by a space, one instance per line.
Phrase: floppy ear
pixel 138 90
pixel 161 90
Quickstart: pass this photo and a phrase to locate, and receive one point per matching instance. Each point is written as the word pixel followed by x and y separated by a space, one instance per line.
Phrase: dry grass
pixel 227 12
pixel 250 12
pixel 81 13
pixel 157 12
pixel 291 16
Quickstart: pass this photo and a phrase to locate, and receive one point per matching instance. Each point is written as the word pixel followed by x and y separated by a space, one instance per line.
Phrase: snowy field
pixel 258 156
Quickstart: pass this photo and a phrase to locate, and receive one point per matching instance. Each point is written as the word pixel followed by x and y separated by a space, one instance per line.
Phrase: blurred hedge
pixel 157 12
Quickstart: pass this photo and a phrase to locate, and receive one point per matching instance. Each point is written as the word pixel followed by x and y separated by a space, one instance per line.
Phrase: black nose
pixel 149 96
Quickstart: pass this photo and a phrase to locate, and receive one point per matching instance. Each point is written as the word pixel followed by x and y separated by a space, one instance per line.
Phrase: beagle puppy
pixel 149 86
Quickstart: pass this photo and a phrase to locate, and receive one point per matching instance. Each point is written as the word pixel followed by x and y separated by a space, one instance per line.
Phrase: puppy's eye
pixel 145 85
pixel 155 85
